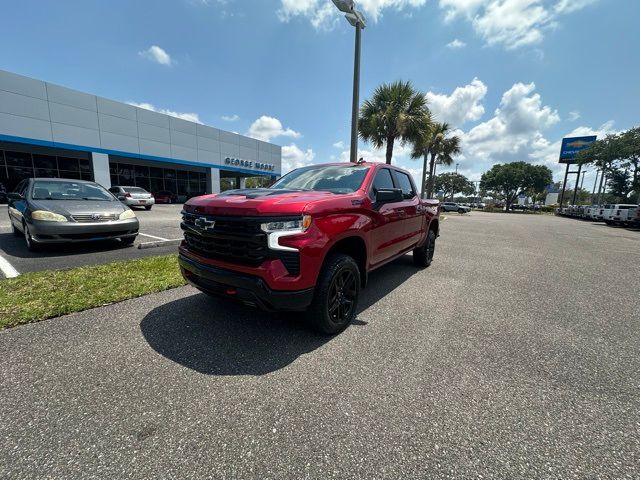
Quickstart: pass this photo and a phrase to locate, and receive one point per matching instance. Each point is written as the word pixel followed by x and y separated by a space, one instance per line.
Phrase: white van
pixel 617 213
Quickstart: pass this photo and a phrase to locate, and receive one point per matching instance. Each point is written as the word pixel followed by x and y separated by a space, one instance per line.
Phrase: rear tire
pixel 423 256
pixel 336 295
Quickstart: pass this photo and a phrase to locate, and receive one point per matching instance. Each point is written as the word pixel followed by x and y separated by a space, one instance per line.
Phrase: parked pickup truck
pixel 309 241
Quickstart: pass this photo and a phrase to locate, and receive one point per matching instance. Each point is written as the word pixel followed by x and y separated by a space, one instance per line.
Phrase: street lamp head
pixel 356 19
pixel 346 6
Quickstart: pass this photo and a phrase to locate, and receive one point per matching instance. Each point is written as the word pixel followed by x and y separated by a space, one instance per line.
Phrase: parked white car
pixel 633 217
pixel 134 196
pixel 454 207
pixel 617 213
pixel 590 211
pixel 600 212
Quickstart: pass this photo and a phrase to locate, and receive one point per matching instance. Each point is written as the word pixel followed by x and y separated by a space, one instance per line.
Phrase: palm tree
pixel 395 112
pixel 434 145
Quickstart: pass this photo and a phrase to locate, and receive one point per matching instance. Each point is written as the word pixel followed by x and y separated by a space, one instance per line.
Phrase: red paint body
pixel 387 231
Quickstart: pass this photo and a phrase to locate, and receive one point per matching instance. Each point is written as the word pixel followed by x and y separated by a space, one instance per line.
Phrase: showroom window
pixel 16 166
pixel 157 179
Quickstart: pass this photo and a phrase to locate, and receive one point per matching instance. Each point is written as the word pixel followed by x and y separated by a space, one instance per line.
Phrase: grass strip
pixel 40 295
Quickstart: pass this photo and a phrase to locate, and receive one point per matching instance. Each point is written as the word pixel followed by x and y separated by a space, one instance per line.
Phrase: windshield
pixel 332 178
pixel 55 190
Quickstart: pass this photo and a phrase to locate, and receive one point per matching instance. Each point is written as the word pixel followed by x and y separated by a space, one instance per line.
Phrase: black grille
pixel 236 240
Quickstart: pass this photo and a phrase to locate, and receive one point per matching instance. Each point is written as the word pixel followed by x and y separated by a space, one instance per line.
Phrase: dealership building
pixel 51 131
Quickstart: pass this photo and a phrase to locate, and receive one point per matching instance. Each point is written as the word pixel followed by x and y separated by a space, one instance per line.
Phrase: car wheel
pixel 336 295
pixel 15 231
pixel 28 239
pixel 148 207
pixel 423 256
pixel 461 210
pixel 127 241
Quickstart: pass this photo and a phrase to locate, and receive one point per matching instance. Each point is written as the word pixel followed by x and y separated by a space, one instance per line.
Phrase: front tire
pixel 127 241
pixel 28 239
pixel 461 211
pixel 423 256
pixel 336 295
pixel 15 231
pixel 148 207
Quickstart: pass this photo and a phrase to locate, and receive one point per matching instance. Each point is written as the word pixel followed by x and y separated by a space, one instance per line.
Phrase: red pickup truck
pixel 309 241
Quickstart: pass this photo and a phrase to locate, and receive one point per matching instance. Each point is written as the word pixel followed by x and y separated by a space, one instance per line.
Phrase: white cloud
pixel 456 44
pixel 511 23
pixel 157 54
pixel 516 124
pixel 265 128
pixel 574 115
pixel 339 144
pixel 295 157
pixel 464 104
pixel 230 118
pixel 324 15
pixel 191 117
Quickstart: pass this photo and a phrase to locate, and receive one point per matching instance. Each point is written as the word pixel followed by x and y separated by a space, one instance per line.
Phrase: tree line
pixel 397 112
pixel 617 157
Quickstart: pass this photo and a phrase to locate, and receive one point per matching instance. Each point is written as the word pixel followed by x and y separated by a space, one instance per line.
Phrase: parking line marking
pixel 153 236
pixel 7 269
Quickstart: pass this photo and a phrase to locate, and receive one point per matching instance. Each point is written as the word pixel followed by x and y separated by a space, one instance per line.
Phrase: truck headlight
pixel 45 216
pixel 127 215
pixel 298 225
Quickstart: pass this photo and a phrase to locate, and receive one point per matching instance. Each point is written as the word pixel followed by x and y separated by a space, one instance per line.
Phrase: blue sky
pixel 512 76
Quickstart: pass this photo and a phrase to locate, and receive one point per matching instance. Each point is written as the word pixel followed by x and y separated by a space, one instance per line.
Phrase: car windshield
pixel 332 178
pixel 56 190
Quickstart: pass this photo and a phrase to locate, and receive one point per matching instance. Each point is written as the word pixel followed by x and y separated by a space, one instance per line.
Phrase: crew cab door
pixel 412 216
pixel 386 236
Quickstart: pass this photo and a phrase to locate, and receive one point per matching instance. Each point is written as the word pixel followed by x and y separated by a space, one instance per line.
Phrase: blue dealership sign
pixel 571 146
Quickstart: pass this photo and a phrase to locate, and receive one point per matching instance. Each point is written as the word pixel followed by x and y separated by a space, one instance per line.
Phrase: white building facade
pixel 47 130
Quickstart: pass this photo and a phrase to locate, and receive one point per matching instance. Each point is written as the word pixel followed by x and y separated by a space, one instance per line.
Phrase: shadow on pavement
pixel 220 337
pixel 16 247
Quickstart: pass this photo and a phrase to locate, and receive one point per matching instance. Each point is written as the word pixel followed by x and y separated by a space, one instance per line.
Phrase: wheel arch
pixel 356 248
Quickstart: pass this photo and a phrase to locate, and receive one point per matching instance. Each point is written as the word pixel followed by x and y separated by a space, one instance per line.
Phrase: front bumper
pixel 245 288
pixel 64 232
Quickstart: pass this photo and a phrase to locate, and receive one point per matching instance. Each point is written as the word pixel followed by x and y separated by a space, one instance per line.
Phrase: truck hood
pixel 256 201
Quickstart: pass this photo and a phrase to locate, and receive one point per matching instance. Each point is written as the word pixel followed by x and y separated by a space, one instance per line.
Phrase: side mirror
pixel 14 196
pixel 385 195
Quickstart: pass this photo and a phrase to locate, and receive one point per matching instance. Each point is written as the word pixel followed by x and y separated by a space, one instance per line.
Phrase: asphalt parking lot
pixel 162 222
pixel 515 355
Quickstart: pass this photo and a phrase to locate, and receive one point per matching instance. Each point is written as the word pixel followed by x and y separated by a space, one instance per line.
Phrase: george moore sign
pixel 238 162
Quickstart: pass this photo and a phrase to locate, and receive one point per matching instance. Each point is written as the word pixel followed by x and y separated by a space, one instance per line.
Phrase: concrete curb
pixel 159 243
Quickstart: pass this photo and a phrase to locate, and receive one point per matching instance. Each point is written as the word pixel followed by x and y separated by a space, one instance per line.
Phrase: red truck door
pixel 413 219
pixel 386 236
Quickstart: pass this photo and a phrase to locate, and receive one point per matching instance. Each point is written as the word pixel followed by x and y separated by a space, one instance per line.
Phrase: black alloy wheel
pixel 335 300
pixel 423 256
pixel 342 296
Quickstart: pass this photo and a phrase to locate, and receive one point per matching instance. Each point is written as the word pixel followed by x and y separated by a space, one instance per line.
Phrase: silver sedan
pixel 56 210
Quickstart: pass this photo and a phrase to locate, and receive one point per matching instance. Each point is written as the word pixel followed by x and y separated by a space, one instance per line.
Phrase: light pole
pixel 457 168
pixel 357 20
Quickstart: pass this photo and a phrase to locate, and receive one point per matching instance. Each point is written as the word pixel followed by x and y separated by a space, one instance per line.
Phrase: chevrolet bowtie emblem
pixel 205 224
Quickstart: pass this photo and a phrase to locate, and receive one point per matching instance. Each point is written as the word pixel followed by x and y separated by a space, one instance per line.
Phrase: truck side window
pixel 405 185
pixel 382 180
